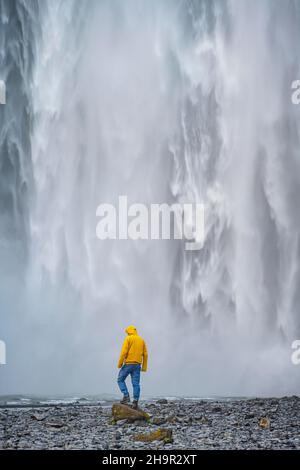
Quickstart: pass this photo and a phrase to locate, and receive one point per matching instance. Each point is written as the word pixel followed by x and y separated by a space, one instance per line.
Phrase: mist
pixel 165 102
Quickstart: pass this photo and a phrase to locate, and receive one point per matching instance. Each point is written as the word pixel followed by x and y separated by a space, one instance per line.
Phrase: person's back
pixel 133 358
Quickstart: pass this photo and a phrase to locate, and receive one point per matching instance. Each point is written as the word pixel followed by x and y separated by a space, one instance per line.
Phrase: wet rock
pixel 162 434
pixel 204 420
pixel 142 424
pixel 158 420
pixel 39 416
pixel 217 409
pixel 122 422
pixel 162 401
pixel 152 406
pixel 55 424
pixel 120 412
pixel 172 419
pixel 264 423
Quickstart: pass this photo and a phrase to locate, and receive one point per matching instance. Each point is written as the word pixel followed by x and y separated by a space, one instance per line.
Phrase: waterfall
pixel 174 101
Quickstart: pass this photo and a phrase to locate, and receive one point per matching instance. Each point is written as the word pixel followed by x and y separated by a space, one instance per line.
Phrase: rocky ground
pixel 242 424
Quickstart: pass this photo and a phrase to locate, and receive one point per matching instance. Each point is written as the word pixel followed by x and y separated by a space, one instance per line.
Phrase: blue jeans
pixel 135 371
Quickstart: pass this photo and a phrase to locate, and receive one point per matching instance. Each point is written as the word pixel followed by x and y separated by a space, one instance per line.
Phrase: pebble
pixel 202 424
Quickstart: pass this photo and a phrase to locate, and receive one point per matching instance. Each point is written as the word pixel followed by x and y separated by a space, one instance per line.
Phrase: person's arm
pixel 124 352
pixel 145 358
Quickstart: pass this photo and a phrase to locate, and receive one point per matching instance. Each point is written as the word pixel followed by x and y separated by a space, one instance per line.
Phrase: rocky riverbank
pixel 204 424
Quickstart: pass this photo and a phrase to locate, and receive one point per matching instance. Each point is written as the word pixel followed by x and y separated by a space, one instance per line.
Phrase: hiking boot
pixel 125 400
pixel 135 404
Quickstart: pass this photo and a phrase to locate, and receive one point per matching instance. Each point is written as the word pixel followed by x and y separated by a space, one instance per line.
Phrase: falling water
pixel 168 101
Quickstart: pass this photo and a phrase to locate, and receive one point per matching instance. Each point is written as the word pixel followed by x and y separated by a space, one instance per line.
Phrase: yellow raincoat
pixel 134 349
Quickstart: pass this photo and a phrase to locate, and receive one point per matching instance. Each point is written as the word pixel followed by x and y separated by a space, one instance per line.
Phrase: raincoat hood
pixel 134 349
pixel 131 330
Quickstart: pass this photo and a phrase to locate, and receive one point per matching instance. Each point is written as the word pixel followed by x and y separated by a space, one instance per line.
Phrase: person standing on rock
pixel 133 359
